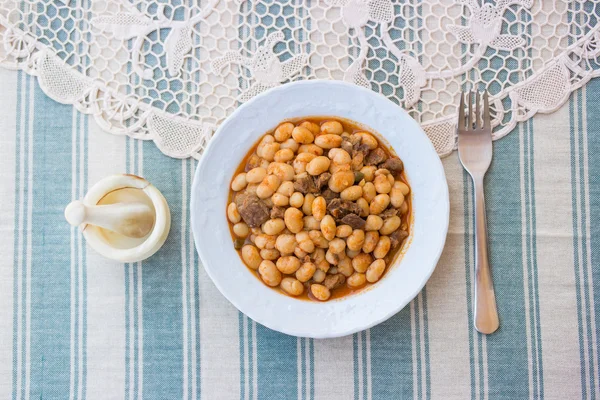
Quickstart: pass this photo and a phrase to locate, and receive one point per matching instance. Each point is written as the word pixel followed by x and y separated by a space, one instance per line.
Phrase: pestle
pixel 133 220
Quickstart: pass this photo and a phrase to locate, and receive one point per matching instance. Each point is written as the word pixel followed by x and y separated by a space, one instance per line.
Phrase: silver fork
pixel 475 152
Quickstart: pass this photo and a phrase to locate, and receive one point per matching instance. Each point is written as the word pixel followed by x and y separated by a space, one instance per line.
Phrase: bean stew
pixel 319 208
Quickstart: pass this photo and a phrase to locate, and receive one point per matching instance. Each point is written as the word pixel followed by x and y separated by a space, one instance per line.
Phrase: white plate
pixel 349 314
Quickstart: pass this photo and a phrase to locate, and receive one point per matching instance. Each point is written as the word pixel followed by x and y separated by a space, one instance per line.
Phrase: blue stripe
pixel 576 260
pixel 364 362
pixel 50 287
pixel 75 261
pixel 355 363
pixel 418 345
pixel 584 261
pixel 507 352
pixel 84 258
pixel 426 343
pixel 593 120
pixel 391 358
pixel 469 265
pixel 161 286
pixel 26 233
pixel 17 229
pixel 196 283
pixel 250 358
pixel 128 361
pixel 276 352
pixel 533 266
pixel 242 355
pixel 312 368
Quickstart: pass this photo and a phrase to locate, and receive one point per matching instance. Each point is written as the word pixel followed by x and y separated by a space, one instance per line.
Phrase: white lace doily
pixel 171 71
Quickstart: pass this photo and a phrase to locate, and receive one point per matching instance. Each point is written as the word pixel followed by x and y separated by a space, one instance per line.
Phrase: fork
pixel 475 153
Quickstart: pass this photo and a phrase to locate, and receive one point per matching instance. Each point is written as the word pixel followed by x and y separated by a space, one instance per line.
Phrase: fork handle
pixel 486 313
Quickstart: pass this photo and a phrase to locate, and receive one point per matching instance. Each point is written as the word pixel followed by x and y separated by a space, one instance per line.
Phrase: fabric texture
pixel 190 63
pixel 75 325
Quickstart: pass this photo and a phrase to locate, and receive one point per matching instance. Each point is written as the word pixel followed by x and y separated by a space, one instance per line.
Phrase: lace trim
pixel 182 136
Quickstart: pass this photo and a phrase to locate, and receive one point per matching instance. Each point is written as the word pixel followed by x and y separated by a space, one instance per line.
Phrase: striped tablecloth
pixel 75 325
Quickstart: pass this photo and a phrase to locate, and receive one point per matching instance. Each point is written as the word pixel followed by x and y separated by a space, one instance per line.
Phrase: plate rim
pixel 444 225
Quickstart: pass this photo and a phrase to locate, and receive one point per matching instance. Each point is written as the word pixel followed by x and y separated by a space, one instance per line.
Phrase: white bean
pixel 302 135
pixel 356 280
pixel 268 186
pixel 310 148
pixel 285 243
pixel 273 226
pixel 318 165
pixel 382 184
pixel 383 247
pixel 239 182
pixel 280 200
pixel 241 230
pixel 332 127
pixel 374 223
pixel 290 144
pixel 318 208
pixel 356 240
pixel 293 219
pixel 256 175
pixel 283 171
pixel 352 193
pixel 286 188
pixel 339 156
pixel 269 273
pixel 251 256
pixel 341 180
pixel 328 141
pixel 328 227
pixel 288 264
pixel 296 199
pixel 284 132
pixel 402 186
pixel 307 205
pixel 292 286
pixel 379 203
pixel 375 270
pixel 233 213
pixel 390 225
pixel 361 262
pixel 371 239
pixel 343 231
pixel 320 292
pixel 306 271
pixel 269 254
pixel 396 197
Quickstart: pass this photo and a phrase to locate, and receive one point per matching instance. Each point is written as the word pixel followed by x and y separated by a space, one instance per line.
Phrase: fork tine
pixel 470 115
pixel 486 111
pixel 461 111
pixel 477 110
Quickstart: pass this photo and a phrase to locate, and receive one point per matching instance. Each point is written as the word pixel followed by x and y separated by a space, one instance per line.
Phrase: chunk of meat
pixel 347 145
pixel 334 281
pixel 354 221
pixel 277 212
pixel 394 165
pixel 397 238
pixel 253 162
pixel 375 157
pixel 360 148
pixel 252 210
pixel 340 208
pixel 322 180
pixel 306 185
pixel 390 212
pixel 329 195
